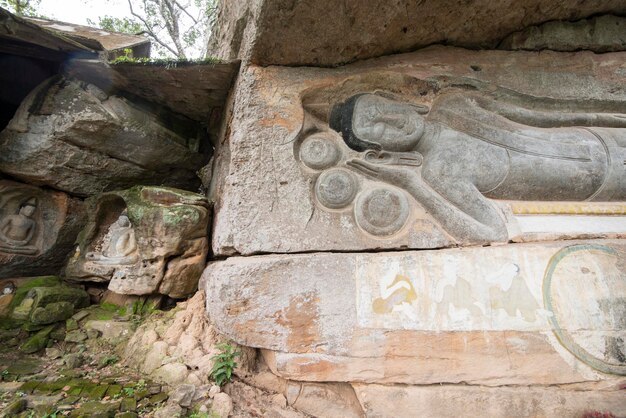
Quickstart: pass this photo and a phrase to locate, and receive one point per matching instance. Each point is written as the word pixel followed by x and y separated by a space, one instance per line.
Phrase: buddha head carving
pixel 371 121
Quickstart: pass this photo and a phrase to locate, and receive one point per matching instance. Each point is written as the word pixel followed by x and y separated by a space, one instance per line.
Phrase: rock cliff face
pixel 327 33
pixel 437 232
pixel 342 197
pixel 77 139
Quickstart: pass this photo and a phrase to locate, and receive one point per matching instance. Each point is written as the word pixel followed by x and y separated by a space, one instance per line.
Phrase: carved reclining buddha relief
pixel 479 165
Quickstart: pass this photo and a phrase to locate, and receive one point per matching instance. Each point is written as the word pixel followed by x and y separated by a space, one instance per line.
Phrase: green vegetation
pixel 224 364
pixel 127 58
pixel 108 361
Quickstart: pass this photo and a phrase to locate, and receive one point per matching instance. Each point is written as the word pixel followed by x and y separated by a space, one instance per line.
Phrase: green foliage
pixel 21 7
pixel 177 28
pixel 114 24
pixel 224 364
pixel 109 360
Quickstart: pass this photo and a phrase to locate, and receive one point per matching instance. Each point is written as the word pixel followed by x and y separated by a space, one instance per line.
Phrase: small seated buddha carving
pixel 119 246
pixel 17 231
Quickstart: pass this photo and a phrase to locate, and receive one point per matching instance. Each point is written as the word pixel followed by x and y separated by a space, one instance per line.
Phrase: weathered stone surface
pixel 75 138
pixel 458 401
pixel 191 89
pixel 143 240
pixel 552 313
pixel 332 400
pixel 598 34
pixel 222 405
pixel 112 331
pixel 325 33
pixel 37 229
pixel 288 181
pixel 178 347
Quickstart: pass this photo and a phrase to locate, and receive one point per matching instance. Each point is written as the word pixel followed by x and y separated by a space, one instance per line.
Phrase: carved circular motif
pixel 584 290
pixel 336 188
pixel 319 152
pixel 381 211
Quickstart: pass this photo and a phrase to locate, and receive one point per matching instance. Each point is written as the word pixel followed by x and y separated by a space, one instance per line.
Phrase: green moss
pixel 38 341
pixel 184 213
pixel 10 323
pixel 111 307
pixel 43 281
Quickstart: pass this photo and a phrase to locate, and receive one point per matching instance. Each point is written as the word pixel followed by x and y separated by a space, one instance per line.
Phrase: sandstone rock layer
pixel 551 312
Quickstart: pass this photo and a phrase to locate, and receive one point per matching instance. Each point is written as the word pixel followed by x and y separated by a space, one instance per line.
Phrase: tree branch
pixel 149 29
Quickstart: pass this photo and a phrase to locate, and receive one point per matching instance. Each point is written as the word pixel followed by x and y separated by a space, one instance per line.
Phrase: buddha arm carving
pixel 7 226
pixel 126 245
pixel 481 220
pixel 549 119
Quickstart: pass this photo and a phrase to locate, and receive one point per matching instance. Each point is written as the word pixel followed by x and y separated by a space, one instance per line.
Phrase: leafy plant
pixel 224 364
pixel 129 391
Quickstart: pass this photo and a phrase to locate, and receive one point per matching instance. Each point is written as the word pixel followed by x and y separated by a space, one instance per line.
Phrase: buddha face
pixel 393 125
pixel 27 210
pixel 123 221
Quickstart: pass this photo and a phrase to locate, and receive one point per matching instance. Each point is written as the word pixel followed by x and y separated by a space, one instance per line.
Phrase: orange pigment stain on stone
pixel 301 320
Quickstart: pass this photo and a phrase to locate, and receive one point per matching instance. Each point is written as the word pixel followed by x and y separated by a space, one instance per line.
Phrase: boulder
pixel 75 138
pixel 37 229
pixel 543 313
pixel 289 178
pixel 142 241
pixel 325 33
pixel 45 305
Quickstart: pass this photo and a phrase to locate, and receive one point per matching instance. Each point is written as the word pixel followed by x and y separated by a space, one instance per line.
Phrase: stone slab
pixel 271 199
pixel 510 402
pixel 327 33
pixel 545 313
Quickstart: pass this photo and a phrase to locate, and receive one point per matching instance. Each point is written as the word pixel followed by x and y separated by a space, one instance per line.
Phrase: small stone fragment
pixel 75 336
pixel 37 341
pixel 73 360
pixel 93 334
pixel 158 398
pixel 169 411
pixel 53 353
pixel 80 315
pixel 214 391
pixel 127 414
pixel 182 395
pixel 222 405
pixel 128 405
pixel 71 324
pixel 14 408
